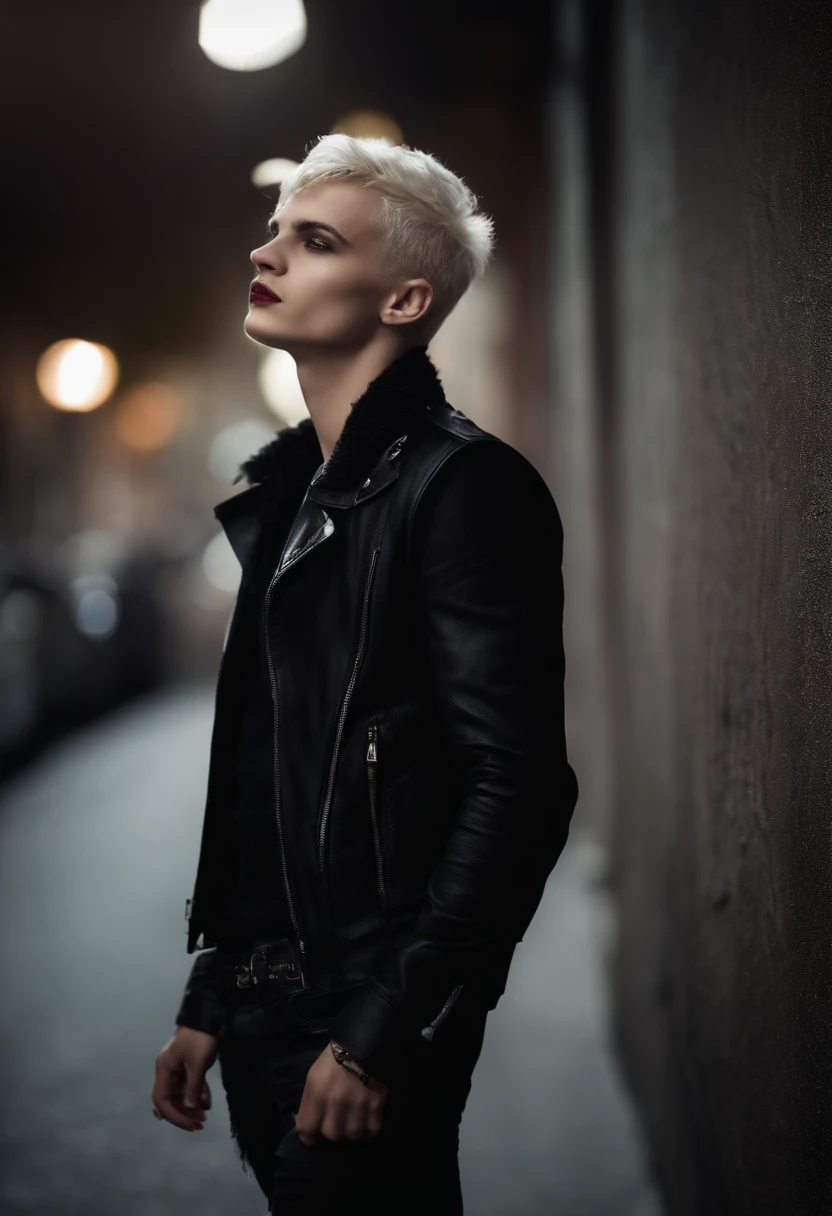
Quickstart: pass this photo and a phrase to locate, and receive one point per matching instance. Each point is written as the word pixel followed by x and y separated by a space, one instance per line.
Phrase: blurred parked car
pixel 72 649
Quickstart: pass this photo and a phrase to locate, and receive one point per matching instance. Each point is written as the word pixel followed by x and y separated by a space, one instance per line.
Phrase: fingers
pixel 171 1107
pixel 168 1094
pixel 364 1120
pixel 338 1119
pixel 310 1115
pixel 194 1088
pixel 336 1106
pixel 374 1114
pixel 337 1114
pixel 355 1127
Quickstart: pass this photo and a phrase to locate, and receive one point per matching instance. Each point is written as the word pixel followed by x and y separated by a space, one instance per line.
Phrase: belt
pixel 265 967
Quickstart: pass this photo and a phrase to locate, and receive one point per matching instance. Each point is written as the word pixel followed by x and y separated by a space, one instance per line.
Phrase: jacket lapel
pixel 241 520
pixel 365 460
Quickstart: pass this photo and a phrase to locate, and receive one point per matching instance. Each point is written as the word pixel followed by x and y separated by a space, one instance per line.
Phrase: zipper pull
pixel 372 753
pixel 397 447
pixel 429 1031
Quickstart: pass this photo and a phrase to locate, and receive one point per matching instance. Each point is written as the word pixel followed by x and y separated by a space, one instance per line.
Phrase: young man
pixel 388 786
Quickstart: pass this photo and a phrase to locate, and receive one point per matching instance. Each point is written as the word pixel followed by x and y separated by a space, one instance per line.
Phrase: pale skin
pixel 342 325
pixel 335 1103
pixel 336 319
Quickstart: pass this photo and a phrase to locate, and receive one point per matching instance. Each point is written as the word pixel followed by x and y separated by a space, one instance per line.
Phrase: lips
pixel 260 294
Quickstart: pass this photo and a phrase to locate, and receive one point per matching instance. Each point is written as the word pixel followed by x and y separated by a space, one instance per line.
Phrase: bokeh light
pixel 272 172
pixel 90 551
pixel 149 415
pixel 247 35
pixel 95 605
pixel 279 384
pixel 369 124
pixel 76 375
pixel 220 565
pixel 234 444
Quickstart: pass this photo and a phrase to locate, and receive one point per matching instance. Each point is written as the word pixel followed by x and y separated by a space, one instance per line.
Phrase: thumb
pixel 193 1087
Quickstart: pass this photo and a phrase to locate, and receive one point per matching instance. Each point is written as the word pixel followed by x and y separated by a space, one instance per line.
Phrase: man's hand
pixel 180 1092
pixel 337 1104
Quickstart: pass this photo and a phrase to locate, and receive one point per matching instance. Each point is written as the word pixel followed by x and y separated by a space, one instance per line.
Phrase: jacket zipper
pixel 372 782
pixel 344 707
pixel 428 1031
pixel 328 529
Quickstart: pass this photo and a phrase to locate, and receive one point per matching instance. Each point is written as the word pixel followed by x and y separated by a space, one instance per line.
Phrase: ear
pixel 409 303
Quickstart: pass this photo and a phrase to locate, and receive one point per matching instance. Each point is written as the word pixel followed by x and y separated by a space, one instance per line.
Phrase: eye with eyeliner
pixel 321 247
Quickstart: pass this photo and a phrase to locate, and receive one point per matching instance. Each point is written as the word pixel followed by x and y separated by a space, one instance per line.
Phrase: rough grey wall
pixel 714 441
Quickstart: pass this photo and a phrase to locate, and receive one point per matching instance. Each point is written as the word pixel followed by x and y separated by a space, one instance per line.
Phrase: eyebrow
pixel 306 225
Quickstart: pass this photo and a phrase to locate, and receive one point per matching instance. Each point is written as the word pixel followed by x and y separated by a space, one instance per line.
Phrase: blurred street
pixel 98 846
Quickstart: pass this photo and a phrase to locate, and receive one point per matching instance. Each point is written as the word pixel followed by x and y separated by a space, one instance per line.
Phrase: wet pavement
pixel 98 846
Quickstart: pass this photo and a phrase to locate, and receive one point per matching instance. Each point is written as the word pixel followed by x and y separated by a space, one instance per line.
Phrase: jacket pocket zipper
pixel 372 785
pixel 343 712
pixel 428 1031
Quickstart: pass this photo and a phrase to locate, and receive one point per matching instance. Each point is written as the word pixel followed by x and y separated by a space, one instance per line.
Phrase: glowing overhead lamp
pixel 272 172
pixel 369 124
pixel 247 35
pixel 76 375
pixel 279 384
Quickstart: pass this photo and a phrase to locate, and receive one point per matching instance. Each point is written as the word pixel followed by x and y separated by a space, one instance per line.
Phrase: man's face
pixel 329 285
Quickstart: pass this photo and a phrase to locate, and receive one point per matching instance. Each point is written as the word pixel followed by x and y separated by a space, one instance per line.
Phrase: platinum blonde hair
pixel 428 219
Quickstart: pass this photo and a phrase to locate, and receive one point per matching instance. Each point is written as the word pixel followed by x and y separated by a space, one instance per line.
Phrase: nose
pixel 258 257
pixel 266 258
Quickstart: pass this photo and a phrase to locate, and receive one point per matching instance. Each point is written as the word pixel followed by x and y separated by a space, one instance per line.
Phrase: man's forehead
pixel 350 208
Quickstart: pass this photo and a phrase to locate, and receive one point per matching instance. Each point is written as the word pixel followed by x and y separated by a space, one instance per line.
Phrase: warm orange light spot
pixel 369 124
pixel 149 416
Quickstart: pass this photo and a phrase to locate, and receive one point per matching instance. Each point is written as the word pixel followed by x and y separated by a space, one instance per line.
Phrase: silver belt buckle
pixel 281 971
pixel 285 973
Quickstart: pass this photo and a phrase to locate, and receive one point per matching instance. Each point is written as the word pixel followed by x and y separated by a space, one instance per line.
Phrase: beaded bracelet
pixel 342 1056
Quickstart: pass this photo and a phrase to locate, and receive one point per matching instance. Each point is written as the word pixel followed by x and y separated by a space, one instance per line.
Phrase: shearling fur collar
pixel 393 404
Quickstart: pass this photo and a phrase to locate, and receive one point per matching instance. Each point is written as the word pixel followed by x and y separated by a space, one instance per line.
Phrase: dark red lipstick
pixel 261 294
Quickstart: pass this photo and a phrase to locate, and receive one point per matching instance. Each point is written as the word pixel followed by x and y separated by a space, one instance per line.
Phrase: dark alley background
pixel 652 335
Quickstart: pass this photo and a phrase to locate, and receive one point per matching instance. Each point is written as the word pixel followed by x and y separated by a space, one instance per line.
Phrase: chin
pixel 260 332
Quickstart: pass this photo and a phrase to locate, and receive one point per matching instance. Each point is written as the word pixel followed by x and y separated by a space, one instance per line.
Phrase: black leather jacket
pixel 422 791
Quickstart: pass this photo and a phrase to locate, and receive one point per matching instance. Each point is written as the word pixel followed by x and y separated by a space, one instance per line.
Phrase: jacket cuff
pixel 202 1006
pixel 380 1037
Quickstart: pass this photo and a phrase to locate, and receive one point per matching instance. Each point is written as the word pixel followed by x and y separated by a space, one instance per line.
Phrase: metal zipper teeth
pixel 328 529
pixel 428 1031
pixel 372 760
pixel 344 706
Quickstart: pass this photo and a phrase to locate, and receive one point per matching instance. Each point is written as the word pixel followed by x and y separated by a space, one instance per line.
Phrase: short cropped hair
pixel 429 221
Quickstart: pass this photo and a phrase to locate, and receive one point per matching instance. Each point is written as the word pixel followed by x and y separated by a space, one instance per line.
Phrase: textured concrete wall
pixel 691 438
pixel 714 450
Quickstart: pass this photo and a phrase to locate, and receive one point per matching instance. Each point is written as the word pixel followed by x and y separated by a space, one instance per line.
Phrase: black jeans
pixel 268 1044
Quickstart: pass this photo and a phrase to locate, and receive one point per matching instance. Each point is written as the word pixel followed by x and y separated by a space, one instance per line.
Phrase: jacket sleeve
pixel 202 1006
pixel 486 546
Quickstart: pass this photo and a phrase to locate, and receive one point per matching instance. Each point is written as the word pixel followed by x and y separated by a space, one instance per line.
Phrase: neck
pixel 332 380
